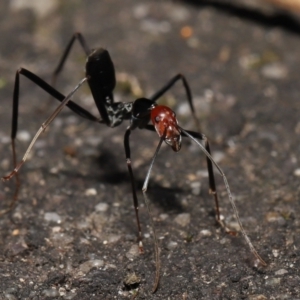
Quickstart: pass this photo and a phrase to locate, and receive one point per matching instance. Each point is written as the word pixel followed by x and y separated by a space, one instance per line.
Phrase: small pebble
pixel 273 216
pixel 133 252
pixel 61 239
pixel 179 14
pixel 52 217
pixel 297 172
pixel 24 136
pixel 56 229
pixel 202 173
pixel 163 217
pixel 102 206
pixel 275 252
pixel 62 291
pixel 172 245
pixel 83 224
pixel 131 279
pixel 275 71
pixel 90 192
pixel 51 293
pixel 88 265
pixel 218 156
pixel 16 232
pixel 140 11
pixel 273 281
pixel 196 188
pixel 281 272
pixel 183 219
pixel 205 232
pixel 112 238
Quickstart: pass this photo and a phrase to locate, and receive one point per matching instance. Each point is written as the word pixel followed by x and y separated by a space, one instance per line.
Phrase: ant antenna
pixel 147 202
pixel 229 196
pixel 43 128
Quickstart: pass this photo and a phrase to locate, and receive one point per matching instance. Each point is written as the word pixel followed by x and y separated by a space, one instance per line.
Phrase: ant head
pixel 166 124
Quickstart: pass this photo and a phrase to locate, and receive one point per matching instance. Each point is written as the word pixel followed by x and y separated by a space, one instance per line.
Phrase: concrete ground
pixel 72 234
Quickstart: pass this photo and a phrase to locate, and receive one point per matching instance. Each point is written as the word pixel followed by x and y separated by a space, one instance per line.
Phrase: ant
pixel 100 76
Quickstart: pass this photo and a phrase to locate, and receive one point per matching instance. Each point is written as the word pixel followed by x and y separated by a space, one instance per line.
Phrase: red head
pixel 164 121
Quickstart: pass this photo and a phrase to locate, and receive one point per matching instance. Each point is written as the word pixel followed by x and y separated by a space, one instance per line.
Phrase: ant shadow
pixel 109 170
pixel 164 197
pixel 279 19
pixel 115 174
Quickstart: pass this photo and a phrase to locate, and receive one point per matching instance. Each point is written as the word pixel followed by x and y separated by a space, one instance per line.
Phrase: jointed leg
pixel 194 136
pixel 43 128
pixel 76 36
pixel 169 85
pixel 147 202
pixel 48 89
pixel 14 128
pixel 135 199
pixel 211 176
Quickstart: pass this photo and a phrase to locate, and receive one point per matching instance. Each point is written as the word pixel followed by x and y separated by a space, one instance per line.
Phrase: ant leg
pixel 194 136
pixel 213 188
pixel 76 36
pixel 42 128
pixel 15 108
pixel 135 199
pixel 144 189
pixel 147 202
pixel 169 85
pixel 51 91
pixel 212 182
pixel 14 200
pixel 211 176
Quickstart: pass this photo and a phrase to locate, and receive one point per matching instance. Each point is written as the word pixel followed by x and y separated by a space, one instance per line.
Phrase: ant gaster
pixel 100 75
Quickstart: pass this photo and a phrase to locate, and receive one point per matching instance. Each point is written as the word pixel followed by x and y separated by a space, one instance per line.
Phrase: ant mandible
pixel 100 75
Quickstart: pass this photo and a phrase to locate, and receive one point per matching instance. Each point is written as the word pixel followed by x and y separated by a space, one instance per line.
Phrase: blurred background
pixel 72 234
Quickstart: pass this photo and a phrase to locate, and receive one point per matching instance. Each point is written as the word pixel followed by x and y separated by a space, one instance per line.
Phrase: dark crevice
pixel 279 19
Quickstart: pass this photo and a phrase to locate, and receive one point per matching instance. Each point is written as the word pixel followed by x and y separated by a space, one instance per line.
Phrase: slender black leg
pixel 43 128
pixel 194 136
pixel 14 127
pixel 51 91
pixel 135 199
pixel 169 85
pixel 211 176
pixel 212 183
pixel 147 202
pixel 76 36
pixel 14 200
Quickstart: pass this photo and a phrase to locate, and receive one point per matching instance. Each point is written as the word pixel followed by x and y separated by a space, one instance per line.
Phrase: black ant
pixel 100 75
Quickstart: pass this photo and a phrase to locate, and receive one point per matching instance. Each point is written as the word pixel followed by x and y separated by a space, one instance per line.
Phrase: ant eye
pixel 174 115
pixel 157 119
